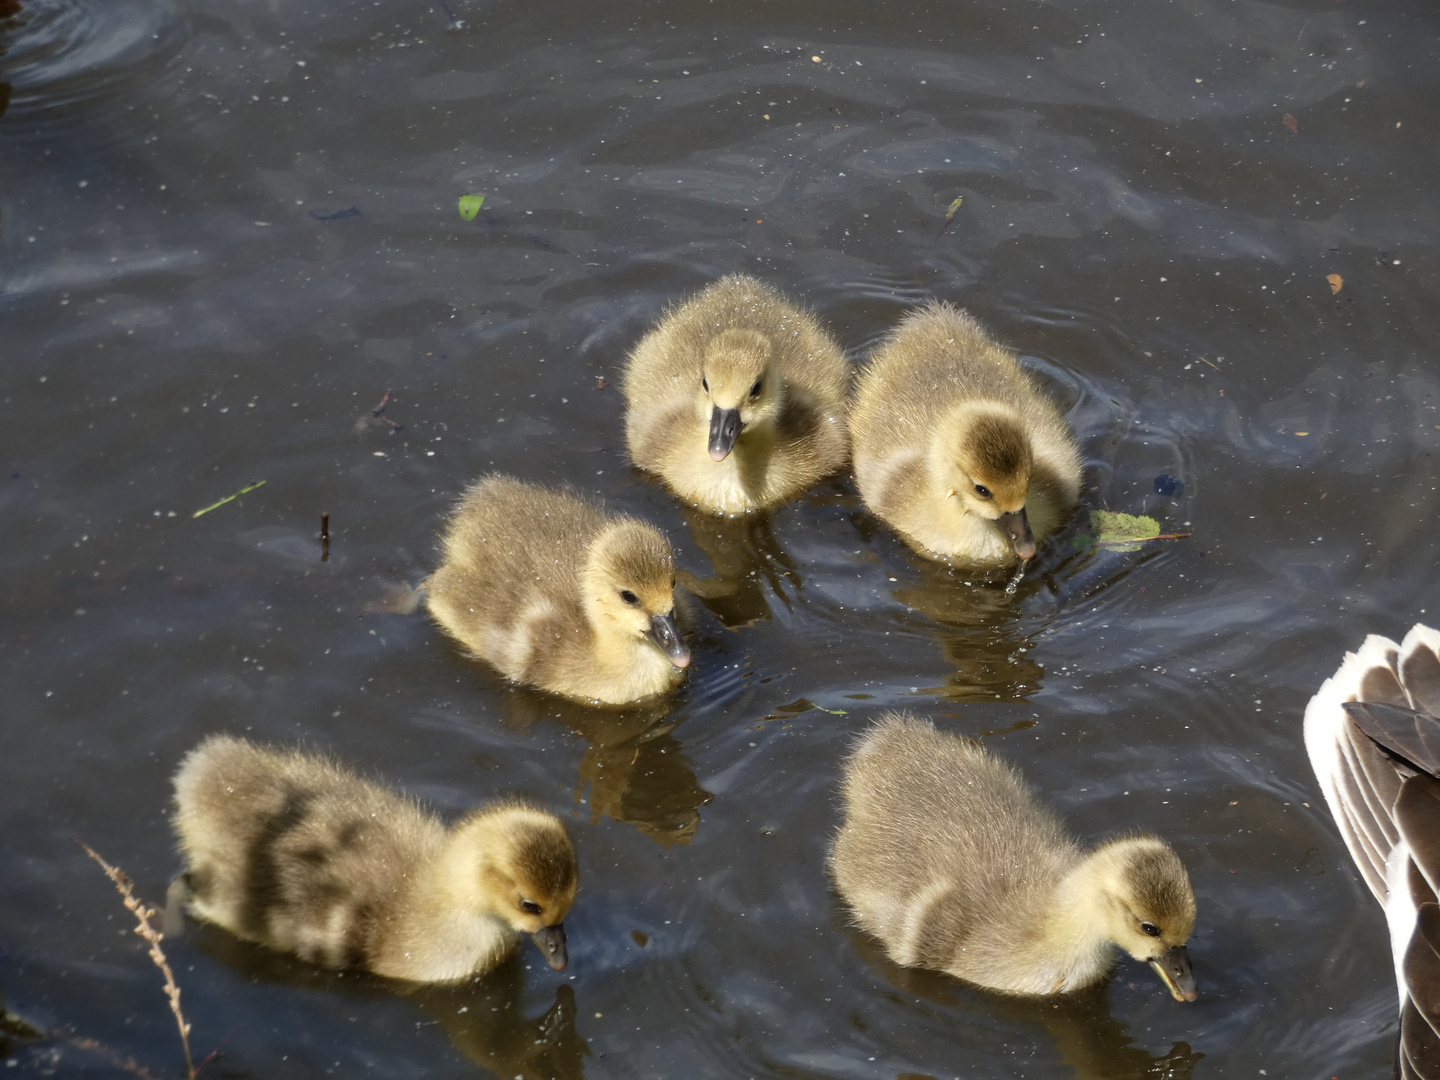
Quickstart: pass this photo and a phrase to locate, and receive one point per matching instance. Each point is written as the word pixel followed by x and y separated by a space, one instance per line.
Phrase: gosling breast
pixel 955 446
pixel 556 593
pixel 296 853
pixel 737 399
pixel 947 857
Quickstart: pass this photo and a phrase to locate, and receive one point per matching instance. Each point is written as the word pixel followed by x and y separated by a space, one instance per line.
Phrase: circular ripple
pixel 62 56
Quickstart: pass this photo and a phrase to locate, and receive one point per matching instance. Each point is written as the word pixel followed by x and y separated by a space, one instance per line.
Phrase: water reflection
pixel 635 770
pixel 484 1021
pixel 1086 1036
pixel 748 563
pixel 981 634
pixel 484 1018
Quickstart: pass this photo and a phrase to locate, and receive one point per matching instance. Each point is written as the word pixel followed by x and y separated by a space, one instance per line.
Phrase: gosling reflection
pixel 484 1021
pixel 634 769
pixel 1086 1036
pixel 748 561
pixel 484 1017
pixel 979 634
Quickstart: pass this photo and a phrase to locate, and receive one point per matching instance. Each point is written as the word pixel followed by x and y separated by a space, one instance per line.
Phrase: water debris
pixel 1122 532
pixel 950 212
pixel 324 537
pixel 1292 124
pixel 349 211
pixel 470 206
pixel 229 498
pixel 379 413
pixel 1336 283
pixel 453 22
pixel 1171 487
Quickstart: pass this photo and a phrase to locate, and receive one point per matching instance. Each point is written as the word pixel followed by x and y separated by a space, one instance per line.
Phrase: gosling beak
pixel 724 430
pixel 550 940
pixel 666 637
pixel 1174 971
pixel 1017 528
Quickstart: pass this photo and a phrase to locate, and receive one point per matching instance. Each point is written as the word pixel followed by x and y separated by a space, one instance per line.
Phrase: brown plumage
pixel 556 593
pixel 956 447
pixel 949 859
pixel 294 852
pixel 737 398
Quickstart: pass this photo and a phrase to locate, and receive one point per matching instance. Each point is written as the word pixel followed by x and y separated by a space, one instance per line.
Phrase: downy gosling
pixel 948 858
pixel 556 593
pixel 737 399
pixel 955 446
pixel 293 852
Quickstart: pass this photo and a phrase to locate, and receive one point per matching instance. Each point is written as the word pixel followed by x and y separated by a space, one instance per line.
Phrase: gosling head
pixel 629 582
pixel 1151 907
pixel 739 389
pixel 990 474
pixel 527 875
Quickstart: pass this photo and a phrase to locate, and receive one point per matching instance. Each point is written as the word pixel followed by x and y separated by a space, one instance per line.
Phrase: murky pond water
pixel 226 230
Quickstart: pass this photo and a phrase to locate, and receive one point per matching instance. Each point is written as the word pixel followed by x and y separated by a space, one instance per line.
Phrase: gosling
pixel 955 446
pixel 293 852
pixel 553 592
pixel 737 399
pixel 947 857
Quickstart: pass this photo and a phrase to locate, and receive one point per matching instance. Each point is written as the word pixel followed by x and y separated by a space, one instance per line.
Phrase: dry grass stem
pixel 143 914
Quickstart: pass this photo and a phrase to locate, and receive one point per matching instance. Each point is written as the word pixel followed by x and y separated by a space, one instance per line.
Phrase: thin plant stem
pixel 143 914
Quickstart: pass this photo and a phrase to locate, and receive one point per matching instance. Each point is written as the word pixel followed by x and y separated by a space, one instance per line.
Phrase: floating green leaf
pixel 1123 532
pixel 470 206
pixel 229 498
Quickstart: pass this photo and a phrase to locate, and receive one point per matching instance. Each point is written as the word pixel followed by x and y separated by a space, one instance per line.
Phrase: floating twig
pixel 229 498
pixel 324 537
pixel 379 412
pixel 143 914
pixel 349 211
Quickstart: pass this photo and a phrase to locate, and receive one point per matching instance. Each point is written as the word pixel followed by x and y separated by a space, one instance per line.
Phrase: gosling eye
pixel 530 906
pixel 705 383
pixel 629 597
pixel 1150 928
pixel 755 390
pixel 982 491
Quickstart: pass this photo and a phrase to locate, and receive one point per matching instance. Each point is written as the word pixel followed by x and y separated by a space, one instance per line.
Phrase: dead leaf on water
pixel 1292 124
pixel 1336 283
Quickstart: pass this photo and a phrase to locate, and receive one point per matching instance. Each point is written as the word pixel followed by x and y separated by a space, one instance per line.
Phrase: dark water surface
pixel 1154 194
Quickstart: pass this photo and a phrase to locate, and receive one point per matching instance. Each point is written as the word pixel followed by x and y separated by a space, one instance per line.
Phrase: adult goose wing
pixel 1373 735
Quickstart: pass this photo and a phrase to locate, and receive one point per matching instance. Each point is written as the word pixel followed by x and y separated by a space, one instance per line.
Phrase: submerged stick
pixel 229 498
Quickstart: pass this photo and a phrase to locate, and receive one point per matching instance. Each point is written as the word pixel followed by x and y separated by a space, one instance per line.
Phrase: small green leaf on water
pixel 470 206
pixel 832 712
pixel 954 205
pixel 1123 532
